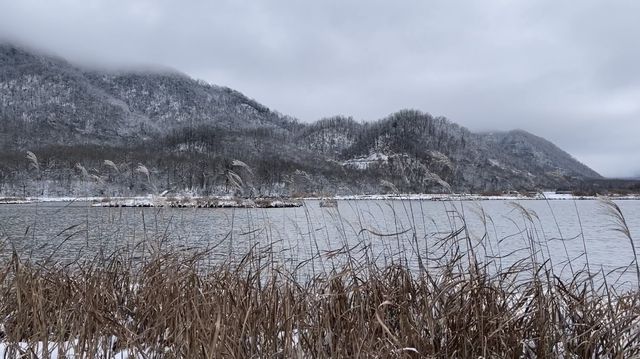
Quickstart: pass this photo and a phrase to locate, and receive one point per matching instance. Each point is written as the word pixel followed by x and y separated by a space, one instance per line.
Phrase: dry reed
pixel 173 304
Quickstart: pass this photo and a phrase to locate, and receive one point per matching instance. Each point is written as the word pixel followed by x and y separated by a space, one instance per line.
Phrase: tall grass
pixel 177 303
pixel 619 224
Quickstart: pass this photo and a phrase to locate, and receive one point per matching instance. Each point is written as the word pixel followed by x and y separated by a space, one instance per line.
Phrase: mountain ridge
pixel 170 121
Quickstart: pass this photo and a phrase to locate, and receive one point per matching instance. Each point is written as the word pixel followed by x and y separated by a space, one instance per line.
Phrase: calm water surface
pixel 409 229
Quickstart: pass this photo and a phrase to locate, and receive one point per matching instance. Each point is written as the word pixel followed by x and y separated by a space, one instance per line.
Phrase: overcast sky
pixel 568 71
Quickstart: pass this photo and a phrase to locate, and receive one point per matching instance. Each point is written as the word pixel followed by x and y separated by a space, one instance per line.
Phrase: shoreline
pixel 287 202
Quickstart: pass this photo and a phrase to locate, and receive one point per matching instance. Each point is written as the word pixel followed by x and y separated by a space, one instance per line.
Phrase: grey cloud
pixel 566 71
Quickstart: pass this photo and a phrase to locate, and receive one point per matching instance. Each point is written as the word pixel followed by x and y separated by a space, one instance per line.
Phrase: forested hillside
pixel 95 132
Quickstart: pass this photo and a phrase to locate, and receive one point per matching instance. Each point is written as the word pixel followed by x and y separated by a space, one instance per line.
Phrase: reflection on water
pixel 384 231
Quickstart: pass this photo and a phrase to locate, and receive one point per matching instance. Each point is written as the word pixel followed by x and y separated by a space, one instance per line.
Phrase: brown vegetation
pixel 164 302
pixel 172 304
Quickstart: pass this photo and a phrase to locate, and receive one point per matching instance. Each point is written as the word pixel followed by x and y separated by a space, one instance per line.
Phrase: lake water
pixel 390 230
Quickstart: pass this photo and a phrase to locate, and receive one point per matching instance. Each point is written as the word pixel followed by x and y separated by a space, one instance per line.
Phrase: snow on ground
pixel 554 195
pixel 495 163
pixel 199 202
pixel 469 197
pixel 363 163
pixel 428 197
pixel 229 201
pixel 12 200
pixel 54 351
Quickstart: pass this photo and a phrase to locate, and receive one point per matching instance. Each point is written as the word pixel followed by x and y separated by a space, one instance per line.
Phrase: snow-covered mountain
pixel 42 94
pixel 188 133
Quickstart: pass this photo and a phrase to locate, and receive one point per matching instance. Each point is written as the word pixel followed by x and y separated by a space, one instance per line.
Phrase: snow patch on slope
pixel 362 163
